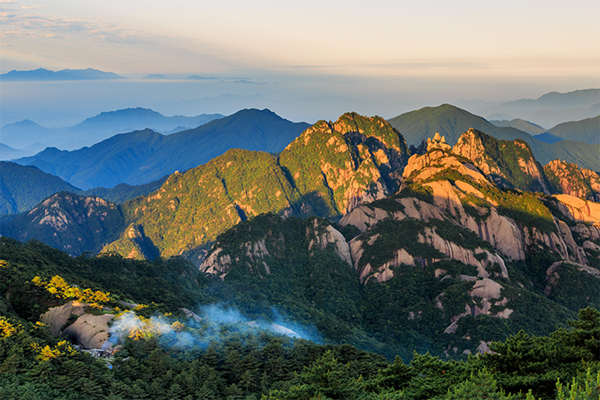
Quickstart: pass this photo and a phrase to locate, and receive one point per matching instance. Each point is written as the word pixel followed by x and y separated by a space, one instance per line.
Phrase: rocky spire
pixel 437 143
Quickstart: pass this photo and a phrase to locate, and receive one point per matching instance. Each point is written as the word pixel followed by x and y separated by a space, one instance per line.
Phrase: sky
pixel 383 51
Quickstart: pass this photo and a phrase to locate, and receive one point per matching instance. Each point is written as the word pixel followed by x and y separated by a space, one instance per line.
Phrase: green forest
pixel 563 364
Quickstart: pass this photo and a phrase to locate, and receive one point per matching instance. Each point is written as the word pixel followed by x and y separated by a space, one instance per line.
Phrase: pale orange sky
pixel 383 38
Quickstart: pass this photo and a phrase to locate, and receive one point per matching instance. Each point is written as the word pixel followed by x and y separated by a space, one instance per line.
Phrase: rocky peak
pixel 513 222
pixel 438 143
pixel 507 163
pixel 346 162
pixel 568 178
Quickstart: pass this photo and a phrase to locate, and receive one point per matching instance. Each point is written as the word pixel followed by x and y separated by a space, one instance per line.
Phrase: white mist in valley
pixel 210 324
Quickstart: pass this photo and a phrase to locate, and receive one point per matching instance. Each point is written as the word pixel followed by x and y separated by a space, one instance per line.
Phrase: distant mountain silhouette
pixel 552 108
pixel 26 133
pixel 143 156
pixel 521 124
pixel 8 153
pixel 42 74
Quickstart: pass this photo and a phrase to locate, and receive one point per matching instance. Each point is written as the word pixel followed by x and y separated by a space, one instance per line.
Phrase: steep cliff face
pixel 69 222
pixel 409 255
pixel 512 222
pixel 507 163
pixel 327 171
pixel 568 178
pixel 346 162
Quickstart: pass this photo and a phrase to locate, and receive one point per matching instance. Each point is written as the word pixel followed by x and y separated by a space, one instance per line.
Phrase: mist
pixel 209 325
pixel 300 96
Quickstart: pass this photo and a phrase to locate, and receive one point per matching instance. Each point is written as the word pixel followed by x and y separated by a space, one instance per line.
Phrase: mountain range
pixel 42 74
pixel 327 171
pixel 451 121
pixel 550 108
pixel 443 250
pixel 28 134
pixel 143 156
pixel 586 130
pixel 458 244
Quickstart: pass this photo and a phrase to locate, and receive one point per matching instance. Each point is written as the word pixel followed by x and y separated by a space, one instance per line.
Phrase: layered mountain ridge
pixel 329 169
pixel 452 121
pixel 143 156
pixel 488 255
pixel 447 249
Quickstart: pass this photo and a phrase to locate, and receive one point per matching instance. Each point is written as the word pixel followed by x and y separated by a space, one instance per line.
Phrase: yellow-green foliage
pixel 7 328
pixel 61 289
pixel 47 352
pixel 583 388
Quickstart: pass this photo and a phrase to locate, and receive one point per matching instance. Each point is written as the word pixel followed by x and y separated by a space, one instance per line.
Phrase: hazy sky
pixel 438 38
pixel 305 59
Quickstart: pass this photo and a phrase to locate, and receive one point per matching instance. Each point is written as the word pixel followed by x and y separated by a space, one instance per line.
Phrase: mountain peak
pixel 130 112
pixel 255 112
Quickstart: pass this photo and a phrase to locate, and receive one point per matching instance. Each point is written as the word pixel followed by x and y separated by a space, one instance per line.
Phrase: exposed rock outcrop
pixel 461 189
pixel 568 178
pixel 85 329
pixel 321 237
pixel 69 222
pixel 89 331
pixel 509 164
pixel 271 246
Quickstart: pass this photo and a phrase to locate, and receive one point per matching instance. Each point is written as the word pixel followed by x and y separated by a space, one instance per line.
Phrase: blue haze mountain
pixel 144 156
pixel 27 133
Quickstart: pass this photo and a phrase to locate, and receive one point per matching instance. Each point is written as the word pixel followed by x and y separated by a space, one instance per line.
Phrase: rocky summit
pixel 487 249
pixel 450 248
pixel 327 171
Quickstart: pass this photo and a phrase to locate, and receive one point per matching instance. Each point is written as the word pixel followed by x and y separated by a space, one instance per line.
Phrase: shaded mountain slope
pixel 123 192
pixel 587 130
pixel 21 187
pixel 72 223
pixel 522 125
pixel 547 138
